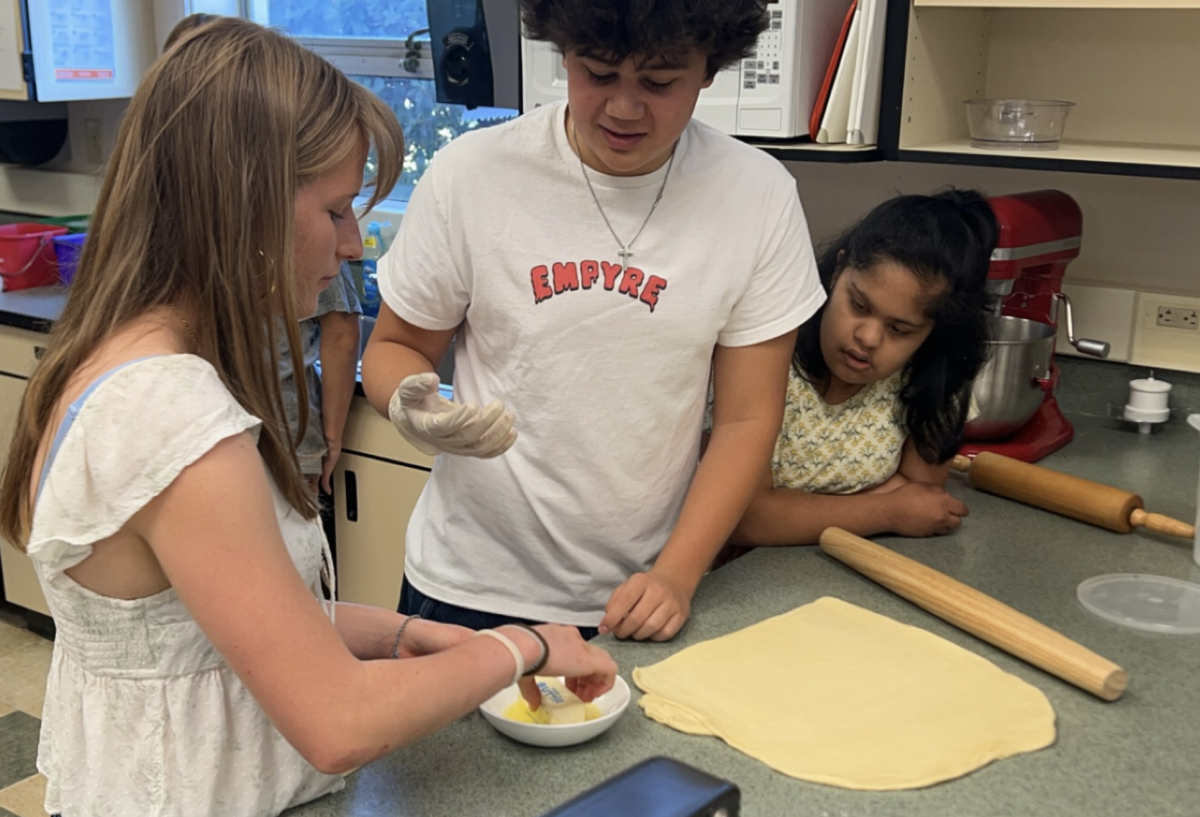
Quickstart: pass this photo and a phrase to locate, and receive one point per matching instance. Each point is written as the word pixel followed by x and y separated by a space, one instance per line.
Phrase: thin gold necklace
pixel 625 252
pixel 187 326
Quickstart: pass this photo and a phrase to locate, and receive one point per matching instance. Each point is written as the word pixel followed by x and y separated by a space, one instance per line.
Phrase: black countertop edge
pixel 18 320
pixel 33 309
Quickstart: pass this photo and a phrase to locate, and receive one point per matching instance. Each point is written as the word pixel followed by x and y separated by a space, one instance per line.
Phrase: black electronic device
pixel 476 46
pixel 31 141
pixel 656 787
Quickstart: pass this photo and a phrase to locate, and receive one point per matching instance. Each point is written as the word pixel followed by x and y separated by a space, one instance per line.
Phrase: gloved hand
pixel 435 425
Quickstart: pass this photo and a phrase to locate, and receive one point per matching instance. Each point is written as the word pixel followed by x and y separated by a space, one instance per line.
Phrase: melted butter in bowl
pixel 507 710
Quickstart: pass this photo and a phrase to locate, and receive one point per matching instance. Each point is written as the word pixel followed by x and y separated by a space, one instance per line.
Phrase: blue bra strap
pixel 72 413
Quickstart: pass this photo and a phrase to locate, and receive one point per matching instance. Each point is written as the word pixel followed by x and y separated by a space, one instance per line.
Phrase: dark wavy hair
pixel 725 30
pixel 947 236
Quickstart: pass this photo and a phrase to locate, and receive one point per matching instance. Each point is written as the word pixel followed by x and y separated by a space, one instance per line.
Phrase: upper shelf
pixel 1130 73
pixel 1072 155
pixel 803 151
pixel 1141 5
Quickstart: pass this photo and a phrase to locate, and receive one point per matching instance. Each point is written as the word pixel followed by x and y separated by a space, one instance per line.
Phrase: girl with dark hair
pixel 880 385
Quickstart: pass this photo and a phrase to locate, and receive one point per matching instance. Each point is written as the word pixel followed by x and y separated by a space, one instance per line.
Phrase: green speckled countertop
pixel 1136 757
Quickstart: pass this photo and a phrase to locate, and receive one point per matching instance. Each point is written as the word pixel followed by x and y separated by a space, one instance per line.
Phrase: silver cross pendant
pixel 625 254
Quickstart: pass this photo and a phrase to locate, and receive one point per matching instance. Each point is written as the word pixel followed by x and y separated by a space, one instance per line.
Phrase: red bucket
pixel 27 255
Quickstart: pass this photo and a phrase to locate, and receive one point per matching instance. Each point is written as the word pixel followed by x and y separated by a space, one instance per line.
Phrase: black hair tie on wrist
pixel 545 648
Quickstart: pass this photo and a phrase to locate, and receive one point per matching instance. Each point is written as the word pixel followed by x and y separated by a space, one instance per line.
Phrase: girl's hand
pixel 423 637
pixel 589 670
pixel 921 509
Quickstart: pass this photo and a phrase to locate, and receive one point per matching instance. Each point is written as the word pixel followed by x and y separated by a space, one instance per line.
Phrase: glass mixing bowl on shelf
pixel 1016 124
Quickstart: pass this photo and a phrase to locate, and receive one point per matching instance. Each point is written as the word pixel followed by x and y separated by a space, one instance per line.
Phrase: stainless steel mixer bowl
pixel 1008 392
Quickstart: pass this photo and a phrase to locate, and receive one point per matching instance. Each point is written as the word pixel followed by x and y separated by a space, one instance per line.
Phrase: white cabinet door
pixel 374 498
pixel 20 581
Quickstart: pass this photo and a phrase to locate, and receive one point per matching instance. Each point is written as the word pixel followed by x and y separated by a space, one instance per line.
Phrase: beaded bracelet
pixel 400 635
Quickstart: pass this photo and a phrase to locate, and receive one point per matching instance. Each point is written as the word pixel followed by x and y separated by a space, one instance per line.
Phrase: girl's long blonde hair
pixel 197 208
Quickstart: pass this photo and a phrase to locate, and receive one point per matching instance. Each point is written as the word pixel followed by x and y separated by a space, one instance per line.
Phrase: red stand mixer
pixel 1040 233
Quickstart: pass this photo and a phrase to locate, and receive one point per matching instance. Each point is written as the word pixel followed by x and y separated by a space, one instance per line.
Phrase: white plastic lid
pixel 1149 384
pixel 1159 604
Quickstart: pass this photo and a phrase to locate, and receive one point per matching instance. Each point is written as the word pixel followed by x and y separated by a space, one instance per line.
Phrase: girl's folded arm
pixel 915 469
pixel 790 516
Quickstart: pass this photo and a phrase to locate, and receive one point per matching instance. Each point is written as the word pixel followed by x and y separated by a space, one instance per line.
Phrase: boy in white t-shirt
pixel 597 259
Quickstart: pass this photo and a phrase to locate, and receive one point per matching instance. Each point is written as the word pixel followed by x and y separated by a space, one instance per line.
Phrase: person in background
pixel 197 668
pixel 597 258
pixel 330 335
pixel 880 384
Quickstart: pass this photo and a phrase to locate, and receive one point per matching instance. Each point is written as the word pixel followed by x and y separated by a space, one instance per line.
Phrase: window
pixel 364 19
pixel 383 44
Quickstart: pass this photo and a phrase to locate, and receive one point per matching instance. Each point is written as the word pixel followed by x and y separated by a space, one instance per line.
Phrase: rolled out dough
pixel 836 694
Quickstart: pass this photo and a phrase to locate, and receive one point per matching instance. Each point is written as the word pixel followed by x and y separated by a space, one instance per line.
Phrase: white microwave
pixel 770 94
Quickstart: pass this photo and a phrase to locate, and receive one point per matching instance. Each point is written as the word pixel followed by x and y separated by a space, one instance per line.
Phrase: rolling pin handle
pixel 1161 524
pixel 960 462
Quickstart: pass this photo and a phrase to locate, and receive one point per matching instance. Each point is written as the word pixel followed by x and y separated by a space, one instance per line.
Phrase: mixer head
pixel 1041 232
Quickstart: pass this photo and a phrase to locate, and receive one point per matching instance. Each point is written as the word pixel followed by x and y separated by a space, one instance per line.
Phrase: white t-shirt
pixel 142 714
pixel 606 372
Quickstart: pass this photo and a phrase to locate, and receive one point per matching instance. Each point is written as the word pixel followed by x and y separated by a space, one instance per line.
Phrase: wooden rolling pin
pixel 1075 497
pixel 978 614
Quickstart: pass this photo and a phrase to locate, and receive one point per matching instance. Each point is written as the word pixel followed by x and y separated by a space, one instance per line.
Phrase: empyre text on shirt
pixel 567 276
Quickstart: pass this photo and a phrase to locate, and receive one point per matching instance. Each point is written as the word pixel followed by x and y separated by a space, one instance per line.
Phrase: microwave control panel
pixel 764 67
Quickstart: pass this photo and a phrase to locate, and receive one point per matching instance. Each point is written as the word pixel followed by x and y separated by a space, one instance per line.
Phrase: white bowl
pixel 611 703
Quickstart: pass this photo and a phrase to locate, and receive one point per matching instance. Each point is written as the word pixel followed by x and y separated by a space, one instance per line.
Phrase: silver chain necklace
pixel 625 252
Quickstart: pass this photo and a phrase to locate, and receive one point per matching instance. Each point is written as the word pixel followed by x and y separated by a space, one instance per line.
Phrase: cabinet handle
pixel 351 496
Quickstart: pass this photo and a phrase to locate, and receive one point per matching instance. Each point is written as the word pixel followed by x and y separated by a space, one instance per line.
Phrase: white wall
pixel 73 158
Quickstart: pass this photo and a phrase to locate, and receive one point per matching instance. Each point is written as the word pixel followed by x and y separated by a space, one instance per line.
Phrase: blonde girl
pixel 151 479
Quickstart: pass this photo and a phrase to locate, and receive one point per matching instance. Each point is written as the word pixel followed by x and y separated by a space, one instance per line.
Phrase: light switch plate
pixel 93 141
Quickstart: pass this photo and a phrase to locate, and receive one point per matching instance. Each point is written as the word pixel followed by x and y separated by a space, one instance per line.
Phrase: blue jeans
pixel 415 603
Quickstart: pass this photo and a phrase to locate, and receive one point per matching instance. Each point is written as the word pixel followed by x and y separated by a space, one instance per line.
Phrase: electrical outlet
pixel 1178 317
pixel 1166 332
pixel 93 141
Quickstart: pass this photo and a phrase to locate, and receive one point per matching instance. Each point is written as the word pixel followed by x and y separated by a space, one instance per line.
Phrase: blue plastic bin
pixel 67 249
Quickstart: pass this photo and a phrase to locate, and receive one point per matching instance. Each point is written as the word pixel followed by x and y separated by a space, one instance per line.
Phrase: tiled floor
pixel 24 662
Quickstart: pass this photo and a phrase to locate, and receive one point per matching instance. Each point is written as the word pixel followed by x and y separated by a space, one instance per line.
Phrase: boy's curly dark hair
pixel 949 237
pixel 725 30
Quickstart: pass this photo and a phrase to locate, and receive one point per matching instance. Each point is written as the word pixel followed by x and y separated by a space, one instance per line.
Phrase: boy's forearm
pixel 724 483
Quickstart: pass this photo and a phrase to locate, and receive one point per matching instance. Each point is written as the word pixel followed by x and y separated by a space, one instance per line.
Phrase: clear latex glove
pixel 435 425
